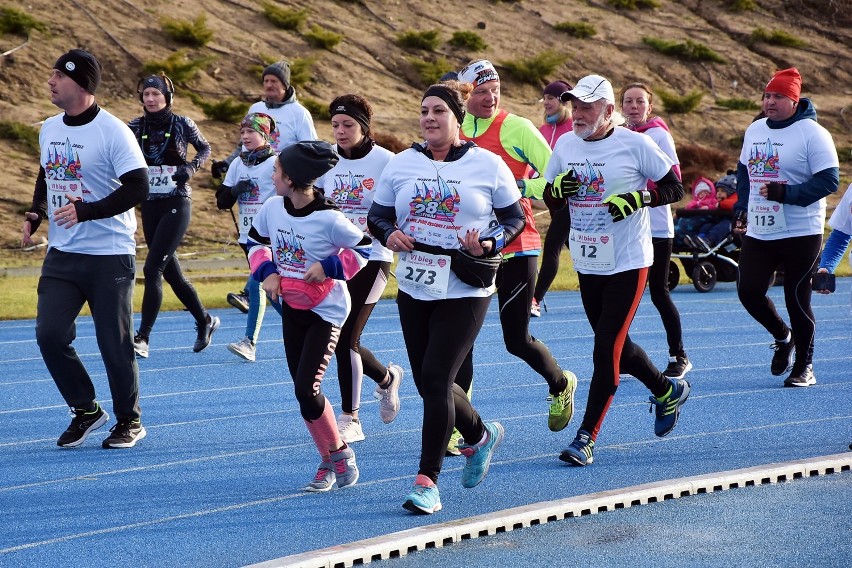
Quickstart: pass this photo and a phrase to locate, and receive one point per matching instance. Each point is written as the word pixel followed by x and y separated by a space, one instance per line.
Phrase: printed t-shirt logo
pixel 763 160
pixel 63 163
pixel 347 191
pixel 289 253
pixel 592 183
pixel 438 202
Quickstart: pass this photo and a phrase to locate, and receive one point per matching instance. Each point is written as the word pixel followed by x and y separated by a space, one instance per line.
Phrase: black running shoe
pixel 83 423
pixel 782 360
pixel 678 367
pixel 239 300
pixel 140 346
pixel 205 333
pixel 125 434
pixel 803 378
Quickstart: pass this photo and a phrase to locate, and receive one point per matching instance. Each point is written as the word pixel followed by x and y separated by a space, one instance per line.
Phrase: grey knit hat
pixel 281 70
pixel 728 183
pixel 304 162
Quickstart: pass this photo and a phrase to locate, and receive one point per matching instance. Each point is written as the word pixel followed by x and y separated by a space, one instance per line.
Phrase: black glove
pixel 218 169
pixel 740 221
pixel 242 186
pixel 182 175
pixel 776 191
pixel 624 204
pixel 565 185
pixel 224 199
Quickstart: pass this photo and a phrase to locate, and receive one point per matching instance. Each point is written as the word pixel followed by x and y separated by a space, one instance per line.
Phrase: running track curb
pixel 434 536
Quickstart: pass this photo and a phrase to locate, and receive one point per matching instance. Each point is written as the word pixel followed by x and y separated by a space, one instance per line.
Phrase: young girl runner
pixel 301 248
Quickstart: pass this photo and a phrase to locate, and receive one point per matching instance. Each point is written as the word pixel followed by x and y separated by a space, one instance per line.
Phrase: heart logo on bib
pixel 776 208
pixel 604 239
pixel 362 220
pixel 442 262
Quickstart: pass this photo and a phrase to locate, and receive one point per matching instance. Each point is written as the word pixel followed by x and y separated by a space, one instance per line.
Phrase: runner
pixel 249 184
pixel 350 185
pixel 164 138
pixel 836 245
pixel 787 167
pixel 301 245
pixel 557 121
pixel 433 199
pixel 293 123
pixel 601 171
pixel 522 147
pixel 92 175
pixel 637 103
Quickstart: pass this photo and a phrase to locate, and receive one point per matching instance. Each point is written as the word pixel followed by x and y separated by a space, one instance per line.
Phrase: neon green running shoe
pixel 562 405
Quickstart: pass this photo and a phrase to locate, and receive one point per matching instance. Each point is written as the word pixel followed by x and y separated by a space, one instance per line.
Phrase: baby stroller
pixel 706 265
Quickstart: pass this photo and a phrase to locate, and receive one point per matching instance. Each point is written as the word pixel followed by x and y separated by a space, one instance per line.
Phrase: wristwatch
pixel 646 197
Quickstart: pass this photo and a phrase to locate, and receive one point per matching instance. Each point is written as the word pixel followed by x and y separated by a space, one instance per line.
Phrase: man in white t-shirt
pixel 787 167
pixel 601 172
pixel 92 175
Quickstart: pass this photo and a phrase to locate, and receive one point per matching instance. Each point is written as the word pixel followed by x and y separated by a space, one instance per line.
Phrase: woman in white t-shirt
pixel 636 105
pixel 350 184
pixel 301 247
pixel 838 241
pixel 433 199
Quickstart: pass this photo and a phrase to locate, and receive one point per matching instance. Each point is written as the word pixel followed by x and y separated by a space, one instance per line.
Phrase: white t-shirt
pixel 620 163
pixel 299 242
pixel 841 219
pixel 262 189
pixel 86 161
pixel 785 155
pixel 293 123
pixel 436 202
pixel 351 184
pixel 662 225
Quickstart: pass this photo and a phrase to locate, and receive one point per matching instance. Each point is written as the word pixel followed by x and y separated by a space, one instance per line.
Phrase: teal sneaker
pixel 581 450
pixel 479 456
pixel 562 405
pixel 668 409
pixel 423 500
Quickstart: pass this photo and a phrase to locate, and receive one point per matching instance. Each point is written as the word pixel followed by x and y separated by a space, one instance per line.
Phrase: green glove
pixel 624 204
pixel 565 185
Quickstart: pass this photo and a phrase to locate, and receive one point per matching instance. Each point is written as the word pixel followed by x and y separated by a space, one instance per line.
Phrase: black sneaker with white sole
pixel 801 378
pixel 140 346
pixel 678 367
pixel 205 333
pixel 239 300
pixel 782 360
pixel 84 423
pixel 125 434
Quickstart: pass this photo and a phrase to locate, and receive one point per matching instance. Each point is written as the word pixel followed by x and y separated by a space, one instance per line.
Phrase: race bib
pixel 56 191
pixel 160 179
pixel 426 273
pixel 247 213
pixel 592 251
pixel 764 216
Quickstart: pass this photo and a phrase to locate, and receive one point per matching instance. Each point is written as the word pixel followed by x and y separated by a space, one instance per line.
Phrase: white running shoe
pixel 243 348
pixel 349 428
pixel 389 397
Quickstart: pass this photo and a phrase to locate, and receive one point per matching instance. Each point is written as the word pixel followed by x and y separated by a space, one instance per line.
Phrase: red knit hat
pixel 786 82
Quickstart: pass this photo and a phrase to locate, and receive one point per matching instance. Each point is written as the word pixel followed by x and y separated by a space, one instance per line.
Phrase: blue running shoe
pixel 345 469
pixel 479 455
pixel 668 409
pixel 423 500
pixel 581 450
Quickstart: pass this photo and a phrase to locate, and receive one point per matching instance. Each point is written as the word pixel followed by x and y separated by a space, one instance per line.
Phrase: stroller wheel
pixel 704 276
pixel 674 275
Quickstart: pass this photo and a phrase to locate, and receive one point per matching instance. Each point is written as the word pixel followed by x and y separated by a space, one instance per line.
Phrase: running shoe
pixel 349 429
pixel 125 434
pixel 479 455
pixel 83 423
pixel 345 468
pixel 804 378
pixel 535 309
pixel 140 346
pixel 668 407
pixel 782 360
pixel 205 333
pixel 453 445
pixel 678 367
pixel 243 348
pixel 581 450
pixel 323 480
pixel 389 399
pixel 239 300
pixel 423 500
pixel 562 405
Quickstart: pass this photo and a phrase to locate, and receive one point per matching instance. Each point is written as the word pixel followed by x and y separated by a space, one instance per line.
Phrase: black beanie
pixel 281 70
pixel 83 68
pixel 304 162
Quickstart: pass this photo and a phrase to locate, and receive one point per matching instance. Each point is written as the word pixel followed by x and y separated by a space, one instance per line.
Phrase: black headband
pixel 447 95
pixel 357 113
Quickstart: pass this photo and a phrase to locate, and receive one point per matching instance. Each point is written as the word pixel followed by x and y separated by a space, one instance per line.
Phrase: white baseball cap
pixel 589 89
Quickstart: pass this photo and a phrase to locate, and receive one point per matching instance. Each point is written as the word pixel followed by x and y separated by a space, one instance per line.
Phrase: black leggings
pixel 758 261
pixel 365 289
pixel 437 336
pixel 164 223
pixel 610 303
pixel 658 284
pixel 309 344
pixel 555 238
pixel 515 281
